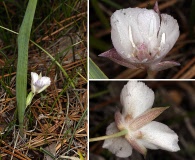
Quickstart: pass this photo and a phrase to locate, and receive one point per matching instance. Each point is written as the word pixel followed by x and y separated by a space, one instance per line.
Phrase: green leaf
pixel 95 72
pixel 21 75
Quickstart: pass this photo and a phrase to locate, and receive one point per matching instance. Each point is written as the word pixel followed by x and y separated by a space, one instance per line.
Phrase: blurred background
pixel 104 100
pixel 182 52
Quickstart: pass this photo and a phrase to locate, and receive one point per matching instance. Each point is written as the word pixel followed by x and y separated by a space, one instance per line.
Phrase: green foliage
pixel 22 65
pixel 95 72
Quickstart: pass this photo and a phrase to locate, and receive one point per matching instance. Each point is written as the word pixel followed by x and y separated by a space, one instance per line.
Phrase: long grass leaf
pixel 21 75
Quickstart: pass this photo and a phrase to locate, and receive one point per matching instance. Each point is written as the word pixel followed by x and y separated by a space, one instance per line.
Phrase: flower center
pixel 39 83
pixel 142 53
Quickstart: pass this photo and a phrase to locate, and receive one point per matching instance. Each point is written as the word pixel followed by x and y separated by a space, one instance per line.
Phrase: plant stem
pixel 29 98
pixel 151 74
pixel 118 134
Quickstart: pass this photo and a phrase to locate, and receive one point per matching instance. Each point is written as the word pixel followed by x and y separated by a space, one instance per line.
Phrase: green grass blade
pixel 57 63
pixel 21 75
pixel 47 152
pixel 75 129
pixel 51 57
pixel 95 72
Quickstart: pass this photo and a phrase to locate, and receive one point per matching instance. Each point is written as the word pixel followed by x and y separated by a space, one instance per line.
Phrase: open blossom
pixel 39 83
pixel 137 118
pixel 142 38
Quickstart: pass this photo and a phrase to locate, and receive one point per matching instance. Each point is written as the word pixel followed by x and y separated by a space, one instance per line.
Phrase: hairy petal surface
pixel 136 98
pixel 156 135
pixel 118 146
pixel 170 27
pixel 149 23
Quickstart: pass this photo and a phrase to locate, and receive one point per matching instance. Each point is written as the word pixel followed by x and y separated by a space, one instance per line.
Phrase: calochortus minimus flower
pixel 38 84
pixel 142 38
pixel 137 118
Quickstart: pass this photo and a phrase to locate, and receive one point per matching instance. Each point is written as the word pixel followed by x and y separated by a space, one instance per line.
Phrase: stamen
pixel 131 37
pixel 151 29
pixel 162 41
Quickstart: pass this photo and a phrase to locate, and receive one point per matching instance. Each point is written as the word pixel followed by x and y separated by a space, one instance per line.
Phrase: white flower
pixel 137 115
pixel 39 83
pixel 142 38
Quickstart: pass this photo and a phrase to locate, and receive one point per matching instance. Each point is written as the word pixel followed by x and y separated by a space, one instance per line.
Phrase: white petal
pixel 132 20
pixel 136 98
pixel 42 84
pixel 43 81
pixel 121 20
pixel 156 135
pixel 119 35
pixel 148 23
pixel 34 77
pixel 118 146
pixel 170 27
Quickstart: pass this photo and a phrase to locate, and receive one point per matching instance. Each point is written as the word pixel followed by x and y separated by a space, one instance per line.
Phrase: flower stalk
pixel 151 74
pixel 29 98
pixel 118 134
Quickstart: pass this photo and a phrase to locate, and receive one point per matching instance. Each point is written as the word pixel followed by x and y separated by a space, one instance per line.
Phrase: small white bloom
pixel 142 38
pixel 137 118
pixel 39 83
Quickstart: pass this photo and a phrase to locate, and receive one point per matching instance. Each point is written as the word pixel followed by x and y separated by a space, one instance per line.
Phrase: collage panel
pixel 148 119
pixel 43 80
pixel 141 39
